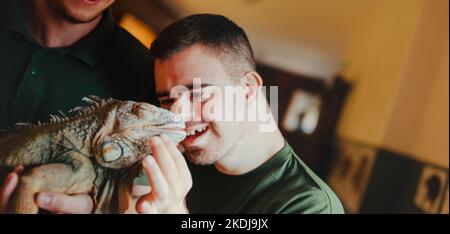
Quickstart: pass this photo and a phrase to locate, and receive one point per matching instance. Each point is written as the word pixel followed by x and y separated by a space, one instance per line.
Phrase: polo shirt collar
pixel 14 20
pixel 89 49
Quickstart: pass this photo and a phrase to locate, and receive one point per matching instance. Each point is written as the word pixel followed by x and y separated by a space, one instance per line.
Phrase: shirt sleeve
pixel 315 201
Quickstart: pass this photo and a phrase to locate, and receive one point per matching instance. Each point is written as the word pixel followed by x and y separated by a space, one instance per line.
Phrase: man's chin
pixel 74 14
pixel 79 19
pixel 202 158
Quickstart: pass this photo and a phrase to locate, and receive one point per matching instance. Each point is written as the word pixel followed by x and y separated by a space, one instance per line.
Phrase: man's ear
pixel 252 82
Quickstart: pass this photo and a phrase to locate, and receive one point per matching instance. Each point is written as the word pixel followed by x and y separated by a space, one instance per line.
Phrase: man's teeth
pixel 194 131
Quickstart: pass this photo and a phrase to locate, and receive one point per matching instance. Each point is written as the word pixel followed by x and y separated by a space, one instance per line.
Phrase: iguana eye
pixel 111 151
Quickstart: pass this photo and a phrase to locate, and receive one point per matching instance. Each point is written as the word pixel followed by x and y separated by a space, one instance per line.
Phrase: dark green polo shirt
pixel 282 185
pixel 37 81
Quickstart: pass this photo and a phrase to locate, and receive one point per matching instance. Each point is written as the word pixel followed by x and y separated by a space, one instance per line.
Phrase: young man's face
pixel 80 11
pixel 210 139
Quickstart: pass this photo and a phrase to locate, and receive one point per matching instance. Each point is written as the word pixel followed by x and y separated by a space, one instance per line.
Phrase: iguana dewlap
pixel 97 151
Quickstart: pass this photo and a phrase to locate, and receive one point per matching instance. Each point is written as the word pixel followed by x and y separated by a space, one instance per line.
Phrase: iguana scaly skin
pixel 96 151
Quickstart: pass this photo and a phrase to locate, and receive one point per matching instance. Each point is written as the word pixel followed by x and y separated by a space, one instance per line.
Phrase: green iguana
pixel 95 151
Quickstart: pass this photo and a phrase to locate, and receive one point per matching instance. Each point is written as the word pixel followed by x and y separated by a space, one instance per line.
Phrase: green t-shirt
pixel 282 185
pixel 37 81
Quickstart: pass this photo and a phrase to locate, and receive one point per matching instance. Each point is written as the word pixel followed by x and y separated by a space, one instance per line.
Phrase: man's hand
pixel 170 179
pixel 53 202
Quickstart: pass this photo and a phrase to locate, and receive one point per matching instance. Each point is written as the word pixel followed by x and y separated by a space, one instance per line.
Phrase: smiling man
pixel 235 166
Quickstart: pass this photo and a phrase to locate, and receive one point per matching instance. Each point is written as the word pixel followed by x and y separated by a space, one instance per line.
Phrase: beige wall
pixel 399 71
pixel 301 36
pixel 433 137
pixel 419 121
pixel 375 59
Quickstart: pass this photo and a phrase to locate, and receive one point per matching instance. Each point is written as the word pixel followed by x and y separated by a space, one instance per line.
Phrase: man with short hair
pixel 237 166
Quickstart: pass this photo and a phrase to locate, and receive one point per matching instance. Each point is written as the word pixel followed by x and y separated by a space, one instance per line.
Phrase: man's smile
pixel 196 135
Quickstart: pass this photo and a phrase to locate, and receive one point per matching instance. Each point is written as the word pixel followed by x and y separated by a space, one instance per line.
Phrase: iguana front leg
pixel 74 174
pixel 126 187
pixel 116 193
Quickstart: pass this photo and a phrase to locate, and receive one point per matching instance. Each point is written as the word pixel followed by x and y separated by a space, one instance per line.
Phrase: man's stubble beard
pixel 203 157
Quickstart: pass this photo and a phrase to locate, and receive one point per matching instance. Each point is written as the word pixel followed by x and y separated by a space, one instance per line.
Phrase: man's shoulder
pixel 127 47
pixel 131 64
pixel 311 201
pixel 304 191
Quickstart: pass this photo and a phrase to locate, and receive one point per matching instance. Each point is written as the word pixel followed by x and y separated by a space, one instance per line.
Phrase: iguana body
pixel 96 151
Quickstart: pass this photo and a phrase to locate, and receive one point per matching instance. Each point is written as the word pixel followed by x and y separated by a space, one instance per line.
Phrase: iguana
pixel 96 150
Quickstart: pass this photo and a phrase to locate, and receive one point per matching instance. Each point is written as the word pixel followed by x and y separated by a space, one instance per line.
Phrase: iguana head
pixel 127 127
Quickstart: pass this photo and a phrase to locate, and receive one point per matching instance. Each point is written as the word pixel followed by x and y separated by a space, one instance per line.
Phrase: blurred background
pixel 363 88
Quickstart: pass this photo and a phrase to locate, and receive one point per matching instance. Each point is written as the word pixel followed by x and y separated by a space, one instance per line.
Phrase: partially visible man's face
pixel 209 139
pixel 80 11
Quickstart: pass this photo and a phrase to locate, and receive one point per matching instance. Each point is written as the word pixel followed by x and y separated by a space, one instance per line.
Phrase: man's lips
pixel 90 2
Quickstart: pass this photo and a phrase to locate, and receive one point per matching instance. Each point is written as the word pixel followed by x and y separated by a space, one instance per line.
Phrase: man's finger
pixel 67 204
pixel 178 158
pixel 158 184
pixel 165 161
pixel 7 189
pixel 145 207
pixel 18 170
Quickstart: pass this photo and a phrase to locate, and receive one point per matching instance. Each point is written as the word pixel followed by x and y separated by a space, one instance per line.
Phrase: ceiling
pixel 302 36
